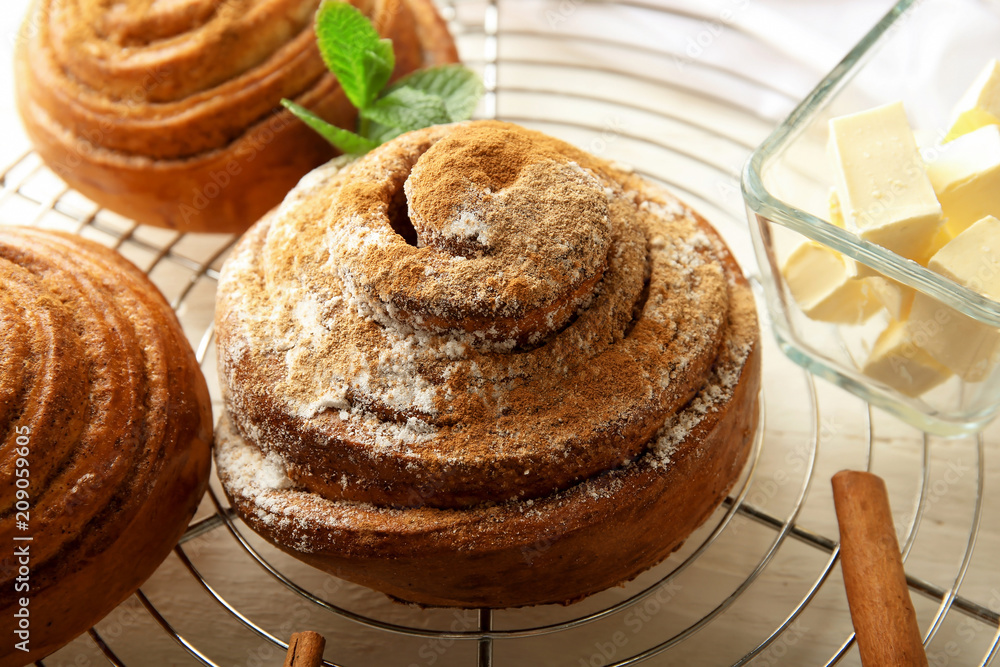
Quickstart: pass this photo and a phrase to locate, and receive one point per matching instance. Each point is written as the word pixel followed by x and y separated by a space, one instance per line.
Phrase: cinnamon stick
pixel 305 649
pixel 884 619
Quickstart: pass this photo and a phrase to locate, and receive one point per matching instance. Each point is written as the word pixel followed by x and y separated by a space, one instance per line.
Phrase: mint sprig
pixel 459 87
pixel 363 63
pixel 407 109
pixel 354 52
pixel 345 140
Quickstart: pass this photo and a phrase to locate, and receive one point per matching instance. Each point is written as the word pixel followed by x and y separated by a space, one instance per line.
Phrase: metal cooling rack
pixel 733 567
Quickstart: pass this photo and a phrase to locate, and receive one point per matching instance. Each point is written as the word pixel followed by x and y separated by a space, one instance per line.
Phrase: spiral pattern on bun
pixel 106 426
pixel 473 317
pixel 169 111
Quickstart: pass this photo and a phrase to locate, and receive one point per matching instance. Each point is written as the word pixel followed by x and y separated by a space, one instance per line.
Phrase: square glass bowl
pixel 925 53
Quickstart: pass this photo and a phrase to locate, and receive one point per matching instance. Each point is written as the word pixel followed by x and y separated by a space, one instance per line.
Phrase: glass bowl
pixel 925 53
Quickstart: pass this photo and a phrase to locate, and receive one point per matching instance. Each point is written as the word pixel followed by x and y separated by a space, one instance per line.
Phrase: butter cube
pixel 894 296
pixel 963 344
pixel 881 182
pixel 898 362
pixel 980 105
pixel 836 214
pixel 942 238
pixel 825 285
pixel 966 178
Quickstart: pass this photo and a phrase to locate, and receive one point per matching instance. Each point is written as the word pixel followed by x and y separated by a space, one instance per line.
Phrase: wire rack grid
pixel 757 584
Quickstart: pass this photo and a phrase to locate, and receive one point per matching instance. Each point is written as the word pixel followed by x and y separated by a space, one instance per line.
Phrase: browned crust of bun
pixel 566 414
pixel 225 189
pixel 555 550
pixel 451 470
pixel 114 486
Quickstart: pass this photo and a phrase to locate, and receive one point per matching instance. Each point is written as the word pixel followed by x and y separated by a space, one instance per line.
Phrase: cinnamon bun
pixel 169 112
pixel 479 367
pixel 106 425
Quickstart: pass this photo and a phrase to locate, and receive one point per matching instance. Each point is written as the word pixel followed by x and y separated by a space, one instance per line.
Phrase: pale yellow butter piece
pixel 940 239
pixel 825 285
pixel 963 344
pixel 898 362
pixel 837 219
pixel 836 214
pixel 980 105
pixel 881 182
pixel 895 297
pixel 966 178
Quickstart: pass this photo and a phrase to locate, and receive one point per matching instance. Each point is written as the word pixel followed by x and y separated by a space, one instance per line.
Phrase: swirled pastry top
pixel 537 324
pixel 101 394
pixel 175 78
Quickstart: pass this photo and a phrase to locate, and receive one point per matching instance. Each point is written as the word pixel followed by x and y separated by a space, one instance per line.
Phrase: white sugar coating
pixel 397 389
pixel 335 398
pixel 272 473
pixel 353 238
pixel 667 208
pixel 713 397
pixel 263 483
pixel 468 223
pixel 247 469
pixel 308 314
pixel 539 223
pixel 360 429
pixel 249 474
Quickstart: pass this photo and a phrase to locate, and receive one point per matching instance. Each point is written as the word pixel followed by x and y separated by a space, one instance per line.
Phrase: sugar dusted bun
pixel 555 353
pixel 101 397
pixel 168 112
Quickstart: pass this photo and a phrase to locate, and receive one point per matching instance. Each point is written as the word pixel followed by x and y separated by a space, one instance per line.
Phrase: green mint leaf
pixel 408 109
pixel 353 51
pixel 378 64
pixel 344 140
pixel 379 133
pixel 458 86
